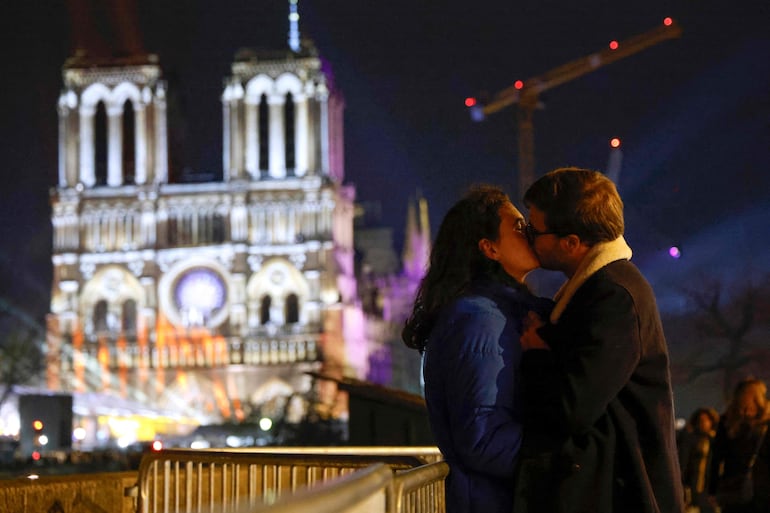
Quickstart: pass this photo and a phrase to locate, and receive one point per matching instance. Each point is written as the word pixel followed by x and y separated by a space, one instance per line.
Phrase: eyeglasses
pixel 533 234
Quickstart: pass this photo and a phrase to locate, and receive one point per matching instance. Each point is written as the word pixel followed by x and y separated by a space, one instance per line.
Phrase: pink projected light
pixel 674 252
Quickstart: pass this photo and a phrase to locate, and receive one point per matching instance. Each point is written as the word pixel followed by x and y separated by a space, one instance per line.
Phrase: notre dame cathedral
pixel 203 301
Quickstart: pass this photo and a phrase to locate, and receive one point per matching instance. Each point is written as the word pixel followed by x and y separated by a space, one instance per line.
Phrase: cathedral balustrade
pixel 197 351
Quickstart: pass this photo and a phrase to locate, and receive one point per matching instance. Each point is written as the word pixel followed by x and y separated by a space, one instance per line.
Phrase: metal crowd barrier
pixel 420 489
pixel 364 491
pixel 213 480
pixel 374 489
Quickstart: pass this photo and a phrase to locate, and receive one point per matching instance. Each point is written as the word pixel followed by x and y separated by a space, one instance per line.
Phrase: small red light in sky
pixel 668 21
pixel 518 84
pixel 35 455
pixel 614 45
pixel 470 102
pixel 615 142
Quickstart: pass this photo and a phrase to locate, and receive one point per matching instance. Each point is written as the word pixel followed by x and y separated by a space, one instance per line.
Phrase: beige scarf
pixel 597 257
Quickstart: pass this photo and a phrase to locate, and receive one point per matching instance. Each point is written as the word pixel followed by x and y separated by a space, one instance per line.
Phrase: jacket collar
pixel 597 257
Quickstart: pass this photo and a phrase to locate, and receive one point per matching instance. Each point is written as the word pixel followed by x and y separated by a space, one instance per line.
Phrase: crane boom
pixel 526 93
pixel 582 66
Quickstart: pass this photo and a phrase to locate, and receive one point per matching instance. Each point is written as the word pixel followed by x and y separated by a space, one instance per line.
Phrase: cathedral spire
pixel 417 238
pixel 294 26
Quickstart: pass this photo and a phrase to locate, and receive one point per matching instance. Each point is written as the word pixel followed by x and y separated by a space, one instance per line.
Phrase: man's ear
pixel 570 242
pixel 488 249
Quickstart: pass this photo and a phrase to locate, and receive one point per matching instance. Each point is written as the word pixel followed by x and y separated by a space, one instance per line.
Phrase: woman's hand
pixel 530 339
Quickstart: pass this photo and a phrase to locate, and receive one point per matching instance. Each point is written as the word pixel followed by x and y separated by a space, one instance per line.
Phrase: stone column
pixel 323 127
pixel 161 138
pixel 115 145
pixel 236 140
pixel 301 126
pixel 87 153
pixel 252 139
pixel 226 153
pixel 140 144
pixel 64 113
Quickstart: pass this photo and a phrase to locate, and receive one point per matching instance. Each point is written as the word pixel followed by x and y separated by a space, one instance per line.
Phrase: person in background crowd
pixel 596 377
pixel 740 458
pixel 694 443
pixel 466 320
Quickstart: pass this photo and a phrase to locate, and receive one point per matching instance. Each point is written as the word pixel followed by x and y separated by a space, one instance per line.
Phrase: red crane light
pixel 667 21
pixel 470 101
pixel 614 45
pixel 519 84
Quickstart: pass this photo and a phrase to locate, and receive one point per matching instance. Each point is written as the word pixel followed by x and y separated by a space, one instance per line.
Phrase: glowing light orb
pixel 615 142
pixel 614 45
pixel 519 84
pixel 79 434
pixel 265 424
pixel 674 252
pixel 667 21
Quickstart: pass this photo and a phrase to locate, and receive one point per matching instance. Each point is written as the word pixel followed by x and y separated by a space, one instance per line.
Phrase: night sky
pixel 693 114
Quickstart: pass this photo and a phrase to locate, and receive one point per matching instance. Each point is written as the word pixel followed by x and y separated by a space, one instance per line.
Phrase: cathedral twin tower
pixel 158 283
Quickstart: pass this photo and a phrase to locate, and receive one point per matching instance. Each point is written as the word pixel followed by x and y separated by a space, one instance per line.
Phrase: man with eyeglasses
pixel 596 373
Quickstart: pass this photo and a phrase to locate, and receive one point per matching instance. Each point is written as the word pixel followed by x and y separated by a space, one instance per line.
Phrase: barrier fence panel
pixel 364 491
pixel 198 481
pixel 419 490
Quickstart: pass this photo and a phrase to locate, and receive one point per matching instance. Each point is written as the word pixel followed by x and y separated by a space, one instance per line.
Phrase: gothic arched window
pixel 100 316
pixel 129 317
pixel 129 141
pixel 100 144
pixel 289 129
pixel 218 228
pixel 264 133
pixel 264 310
pixel 292 309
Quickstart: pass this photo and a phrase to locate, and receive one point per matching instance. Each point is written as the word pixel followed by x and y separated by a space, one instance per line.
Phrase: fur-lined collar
pixel 597 257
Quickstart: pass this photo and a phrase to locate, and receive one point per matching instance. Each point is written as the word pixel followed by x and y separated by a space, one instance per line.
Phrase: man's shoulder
pixel 618 277
pixel 621 273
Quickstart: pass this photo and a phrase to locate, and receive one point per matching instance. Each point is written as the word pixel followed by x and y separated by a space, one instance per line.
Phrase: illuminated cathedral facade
pixel 203 299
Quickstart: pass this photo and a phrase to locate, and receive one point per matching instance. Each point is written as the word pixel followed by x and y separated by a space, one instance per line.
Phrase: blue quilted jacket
pixel 471 375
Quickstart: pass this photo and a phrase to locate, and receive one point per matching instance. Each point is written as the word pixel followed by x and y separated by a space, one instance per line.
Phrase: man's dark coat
pixel 600 402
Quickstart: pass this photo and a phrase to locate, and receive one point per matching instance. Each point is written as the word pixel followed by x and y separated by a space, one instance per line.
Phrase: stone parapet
pixel 112 492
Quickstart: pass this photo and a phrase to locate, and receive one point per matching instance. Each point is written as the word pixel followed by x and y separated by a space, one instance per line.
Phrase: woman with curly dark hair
pixel 467 319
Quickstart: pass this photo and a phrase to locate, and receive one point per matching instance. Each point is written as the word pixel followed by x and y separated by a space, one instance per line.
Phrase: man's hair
pixel 578 201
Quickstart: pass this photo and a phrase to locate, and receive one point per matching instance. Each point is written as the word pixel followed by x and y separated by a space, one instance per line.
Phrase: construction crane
pixel 526 93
